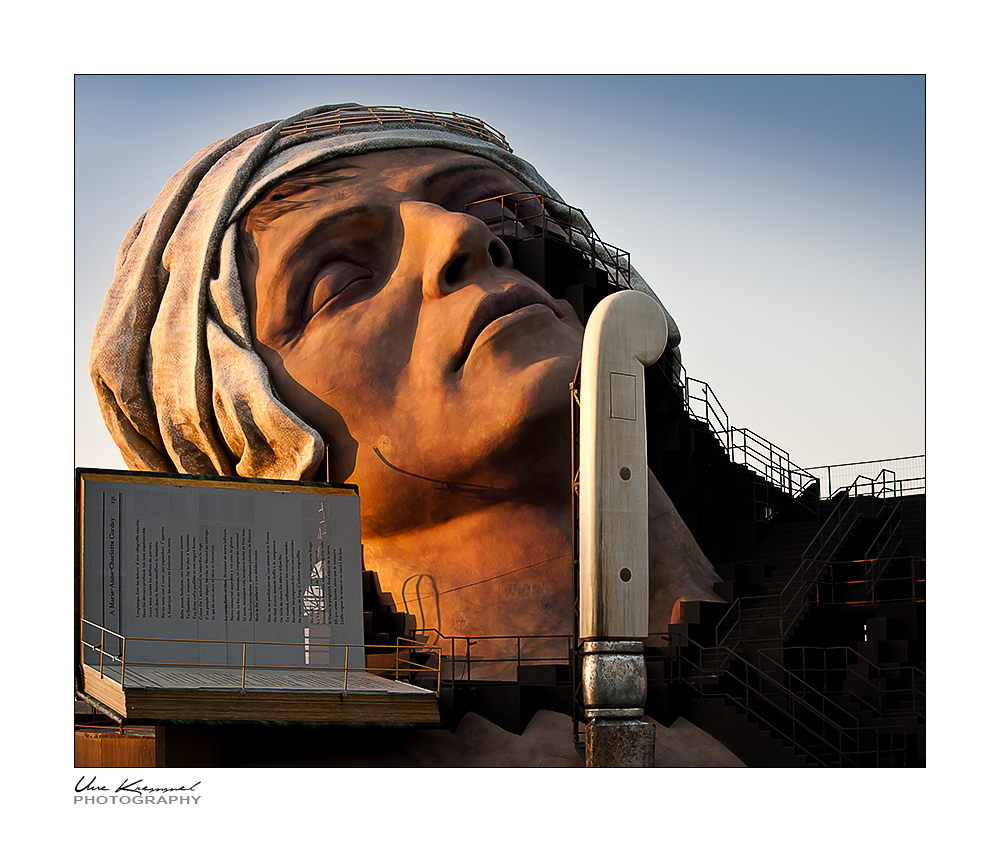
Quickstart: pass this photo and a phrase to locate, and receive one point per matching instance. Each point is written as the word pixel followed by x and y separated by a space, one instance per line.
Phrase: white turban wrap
pixel 177 379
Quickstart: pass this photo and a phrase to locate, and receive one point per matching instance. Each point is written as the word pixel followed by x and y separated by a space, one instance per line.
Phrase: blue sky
pixel 780 219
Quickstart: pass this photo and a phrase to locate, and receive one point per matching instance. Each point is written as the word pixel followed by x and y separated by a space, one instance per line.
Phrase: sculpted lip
pixel 496 306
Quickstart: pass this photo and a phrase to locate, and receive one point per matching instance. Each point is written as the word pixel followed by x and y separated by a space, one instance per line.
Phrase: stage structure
pixel 226 599
pixel 421 350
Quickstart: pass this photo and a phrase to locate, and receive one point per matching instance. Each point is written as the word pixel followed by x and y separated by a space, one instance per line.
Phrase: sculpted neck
pixel 507 569
pixel 502 569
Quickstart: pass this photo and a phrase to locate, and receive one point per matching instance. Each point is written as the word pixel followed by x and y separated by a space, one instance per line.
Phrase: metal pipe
pixel 626 332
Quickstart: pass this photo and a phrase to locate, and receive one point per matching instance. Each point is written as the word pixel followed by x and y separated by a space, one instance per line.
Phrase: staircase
pixel 820 647
pixel 755 583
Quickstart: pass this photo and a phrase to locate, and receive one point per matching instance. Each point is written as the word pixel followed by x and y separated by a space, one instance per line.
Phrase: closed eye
pixel 332 280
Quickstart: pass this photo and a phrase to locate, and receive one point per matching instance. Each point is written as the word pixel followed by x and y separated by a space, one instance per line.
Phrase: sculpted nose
pixel 449 250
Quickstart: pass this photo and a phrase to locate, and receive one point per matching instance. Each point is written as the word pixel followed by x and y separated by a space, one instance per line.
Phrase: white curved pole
pixel 626 332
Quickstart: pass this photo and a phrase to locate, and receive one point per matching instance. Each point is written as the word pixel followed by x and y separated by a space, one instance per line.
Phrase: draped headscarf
pixel 178 382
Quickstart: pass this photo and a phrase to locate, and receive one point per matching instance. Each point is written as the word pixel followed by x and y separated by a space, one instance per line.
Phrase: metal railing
pixel 347 117
pixel 843 669
pixel 903 585
pixel 883 549
pixel 813 724
pixel 507 654
pixel 115 655
pixel 744 610
pixel 521 216
pixel 797 704
pixel 784 610
pixel 904 475
pixel 702 403
pixel 852 506
pixel 771 462
pixel 743 446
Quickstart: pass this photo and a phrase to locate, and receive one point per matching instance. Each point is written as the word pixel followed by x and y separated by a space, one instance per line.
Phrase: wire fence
pixel 908 475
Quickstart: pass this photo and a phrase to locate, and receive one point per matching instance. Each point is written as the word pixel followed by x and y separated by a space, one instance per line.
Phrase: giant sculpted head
pixel 333 287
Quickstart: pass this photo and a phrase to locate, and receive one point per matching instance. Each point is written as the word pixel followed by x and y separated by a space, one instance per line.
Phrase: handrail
pixel 565 223
pixel 715 415
pixel 882 549
pixel 913 480
pixel 816 558
pixel 883 485
pixel 545 216
pixel 830 537
pixel 795 703
pixel 737 605
pixel 366 648
pixel 826 700
pixel 742 445
pixel 770 461
pixel 875 570
pixel 880 693
pixel 840 523
pixel 519 657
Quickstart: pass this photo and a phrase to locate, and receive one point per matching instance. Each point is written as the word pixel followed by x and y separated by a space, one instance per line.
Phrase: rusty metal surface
pixel 613 679
pixel 627 743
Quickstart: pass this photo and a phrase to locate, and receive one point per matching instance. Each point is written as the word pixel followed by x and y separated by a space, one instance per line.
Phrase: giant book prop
pixel 222 598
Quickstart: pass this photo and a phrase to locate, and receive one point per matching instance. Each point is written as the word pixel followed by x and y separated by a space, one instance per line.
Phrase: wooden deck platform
pixel 279 695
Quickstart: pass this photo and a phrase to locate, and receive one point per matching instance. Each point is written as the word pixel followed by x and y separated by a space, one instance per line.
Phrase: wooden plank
pixel 284 707
pixel 111 749
pixel 157 703
pixel 107 692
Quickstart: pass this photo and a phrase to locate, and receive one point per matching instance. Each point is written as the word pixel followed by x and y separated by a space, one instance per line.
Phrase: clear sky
pixel 780 219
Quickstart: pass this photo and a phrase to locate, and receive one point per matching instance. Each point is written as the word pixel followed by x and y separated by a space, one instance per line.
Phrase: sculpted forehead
pixel 375 182
pixel 402 169
pixel 416 173
pixel 349 207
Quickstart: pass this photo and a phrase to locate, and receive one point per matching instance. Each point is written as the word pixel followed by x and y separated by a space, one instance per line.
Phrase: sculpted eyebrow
pixel 322 227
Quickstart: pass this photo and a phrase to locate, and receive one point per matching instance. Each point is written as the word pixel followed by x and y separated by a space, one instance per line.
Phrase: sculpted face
pixel 390 319
pixel 392 322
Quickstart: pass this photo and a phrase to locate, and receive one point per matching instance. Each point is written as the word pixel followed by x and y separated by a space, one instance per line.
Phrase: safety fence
pixel 744 446
pixel 107 651
pixel 899 476
pixel 856 503
pixel 497 657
